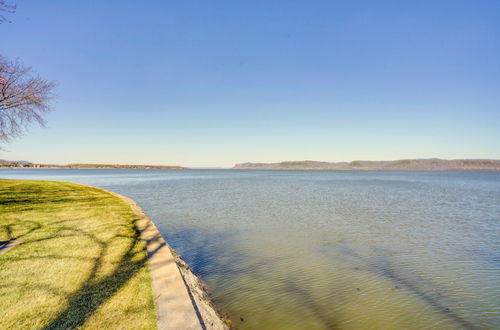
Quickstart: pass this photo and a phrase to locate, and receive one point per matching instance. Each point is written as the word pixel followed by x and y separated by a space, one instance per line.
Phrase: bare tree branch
pixel 6 8
pixel 24 98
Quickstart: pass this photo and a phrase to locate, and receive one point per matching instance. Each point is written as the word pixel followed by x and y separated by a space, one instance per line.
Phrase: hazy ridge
pixel 433 164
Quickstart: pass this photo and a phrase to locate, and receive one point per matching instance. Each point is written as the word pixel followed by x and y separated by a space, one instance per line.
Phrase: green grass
pixel 80 264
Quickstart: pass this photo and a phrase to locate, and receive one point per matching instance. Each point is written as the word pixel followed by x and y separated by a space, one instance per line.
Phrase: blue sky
pixel 213 83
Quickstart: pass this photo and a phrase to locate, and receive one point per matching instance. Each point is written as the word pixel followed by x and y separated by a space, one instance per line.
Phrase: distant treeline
pixel 433 164
pixel 16 164
pixel 159 167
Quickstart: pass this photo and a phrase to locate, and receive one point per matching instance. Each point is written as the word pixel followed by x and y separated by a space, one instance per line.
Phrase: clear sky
pixel 213 83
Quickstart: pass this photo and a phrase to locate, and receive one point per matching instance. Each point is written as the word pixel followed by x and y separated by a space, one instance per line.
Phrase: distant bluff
pixel 433 164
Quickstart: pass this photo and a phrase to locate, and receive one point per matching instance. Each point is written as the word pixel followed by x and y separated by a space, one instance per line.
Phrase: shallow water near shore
pixel 327 249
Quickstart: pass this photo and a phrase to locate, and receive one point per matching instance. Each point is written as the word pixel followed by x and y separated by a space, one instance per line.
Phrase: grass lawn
pixel 80 262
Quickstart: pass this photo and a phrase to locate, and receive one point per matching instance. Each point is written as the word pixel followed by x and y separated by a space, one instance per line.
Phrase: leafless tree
pixel 24 98
pixel 6 8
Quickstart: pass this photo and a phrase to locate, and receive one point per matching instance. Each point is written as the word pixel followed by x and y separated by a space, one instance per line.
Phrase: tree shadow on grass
pixel 97 289
pixel 11 234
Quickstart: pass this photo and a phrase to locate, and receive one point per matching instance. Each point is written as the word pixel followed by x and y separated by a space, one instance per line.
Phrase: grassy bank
pixel 80 261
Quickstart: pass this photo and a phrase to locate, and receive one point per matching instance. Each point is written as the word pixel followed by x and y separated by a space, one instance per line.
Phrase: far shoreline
pixel 257 169
pixel 119 167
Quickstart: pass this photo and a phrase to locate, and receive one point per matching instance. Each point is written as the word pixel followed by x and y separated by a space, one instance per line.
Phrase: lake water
pixel 327 249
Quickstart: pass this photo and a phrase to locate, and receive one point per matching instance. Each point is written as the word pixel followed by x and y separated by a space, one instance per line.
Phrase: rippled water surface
pixel 328 249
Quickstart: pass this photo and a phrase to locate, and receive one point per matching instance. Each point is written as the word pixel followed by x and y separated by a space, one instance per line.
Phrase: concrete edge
pixel 174 307
pixel 181 299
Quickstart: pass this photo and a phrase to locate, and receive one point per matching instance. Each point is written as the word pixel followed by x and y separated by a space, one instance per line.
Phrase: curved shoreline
pixel 181 298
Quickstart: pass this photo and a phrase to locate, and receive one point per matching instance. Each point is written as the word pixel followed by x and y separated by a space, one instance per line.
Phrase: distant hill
pixel 433 164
